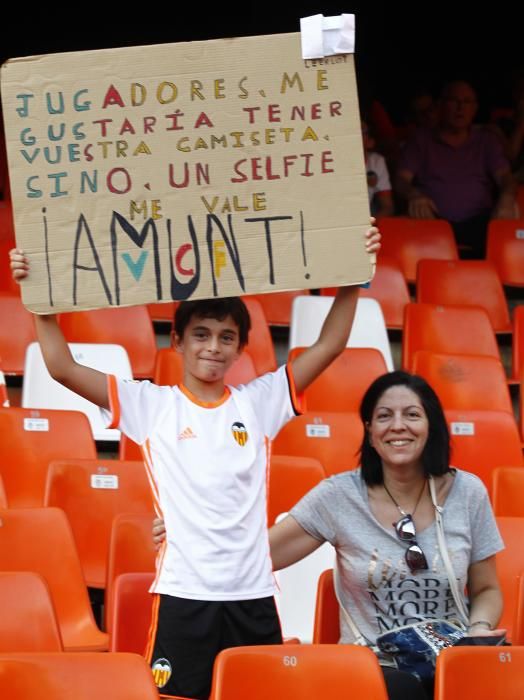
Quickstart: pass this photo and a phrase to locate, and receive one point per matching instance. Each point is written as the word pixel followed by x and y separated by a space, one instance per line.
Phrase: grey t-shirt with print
pixel 376 586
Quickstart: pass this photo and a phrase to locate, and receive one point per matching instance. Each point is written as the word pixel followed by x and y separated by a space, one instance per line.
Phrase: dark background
pixel 400 46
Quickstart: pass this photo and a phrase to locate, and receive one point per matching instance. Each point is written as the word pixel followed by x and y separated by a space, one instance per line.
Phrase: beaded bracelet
pixel 481 622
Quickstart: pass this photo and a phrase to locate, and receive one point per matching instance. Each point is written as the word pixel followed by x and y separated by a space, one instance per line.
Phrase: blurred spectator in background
pixel 379 184
pixel 457 171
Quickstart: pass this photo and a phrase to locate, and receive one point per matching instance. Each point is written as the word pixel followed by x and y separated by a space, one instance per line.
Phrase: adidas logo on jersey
pixel 187 433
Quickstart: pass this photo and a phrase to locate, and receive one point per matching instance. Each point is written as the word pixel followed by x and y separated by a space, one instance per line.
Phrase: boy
pixel 205 448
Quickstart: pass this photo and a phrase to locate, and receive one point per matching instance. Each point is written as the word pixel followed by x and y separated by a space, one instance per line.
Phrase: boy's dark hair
pixel 217 309
pixel 436 452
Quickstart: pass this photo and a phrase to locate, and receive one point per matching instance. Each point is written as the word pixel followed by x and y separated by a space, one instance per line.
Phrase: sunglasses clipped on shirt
pixel 415 557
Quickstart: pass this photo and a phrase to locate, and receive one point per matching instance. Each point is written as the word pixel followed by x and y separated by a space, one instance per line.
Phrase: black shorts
pixel 186 635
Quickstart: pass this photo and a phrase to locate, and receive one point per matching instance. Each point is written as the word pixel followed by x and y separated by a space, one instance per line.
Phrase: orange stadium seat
pixel 82 676
pixel 508 492
pixel 332 438
pixel 3 497
pixel 131 612
pixel 471 673
pixel 131 550
pixel 505 249
pixel 518 343
pixel 7 283
pixel 510 567
pixel 32 438
pixel 91 493
pixel 40 540
pixel 290 478
pixel 129 326
pixel 169 369
pixel 481 441
pixel 4 396
pixel 297 671
pixel 518 628
pixel 410 240
pixel 277 305
pixel 447 329
pixel 341 386
pixel 164 311
pixel 464 283
pixel 17 331
pixel 465 381
pixel 389 288
pixel 260 346
pixel 327 623
pixel 28 621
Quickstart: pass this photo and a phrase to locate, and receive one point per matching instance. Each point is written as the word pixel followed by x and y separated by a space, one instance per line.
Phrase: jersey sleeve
pixel 274 399
pixel 134 407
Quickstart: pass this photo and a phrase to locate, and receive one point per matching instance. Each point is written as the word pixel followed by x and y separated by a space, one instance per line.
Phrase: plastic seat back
pixel 410 240
pixel 518 344
pixel 260 346
pixel 341 386
pixel 3 497
pixel 40 540
pixel 389 288
pixel 332 438
pixel 290 478
pixel 36 437
pixel 277 306
pixel 131 613
pixel 92 493
pixel 327 622
pixel 508 491
pixel 456 330
pixel 368 331
pixel 131 550
pixel 464 283
pixel 518 628
pixel 471 673
pixel 130 326
pixel 28 621
pixel 297 671
pixel 40 390
pixel 465 382
pixel 164 312
pixel 510 567
pixel 505 249
pixel 4 396
pixel 82 676
pixel 169 369
pixel 481 441
pixel 16 332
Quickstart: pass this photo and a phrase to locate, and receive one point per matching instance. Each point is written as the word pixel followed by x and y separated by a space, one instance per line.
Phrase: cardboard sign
pixel 180 171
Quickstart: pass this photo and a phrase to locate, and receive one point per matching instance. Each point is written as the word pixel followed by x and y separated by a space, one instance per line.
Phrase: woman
pixel 381 520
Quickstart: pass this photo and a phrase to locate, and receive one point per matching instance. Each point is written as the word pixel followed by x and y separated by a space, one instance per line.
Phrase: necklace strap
pixel 402 512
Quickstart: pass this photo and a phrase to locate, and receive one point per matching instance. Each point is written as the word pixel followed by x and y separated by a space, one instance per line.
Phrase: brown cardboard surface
pixel 200 169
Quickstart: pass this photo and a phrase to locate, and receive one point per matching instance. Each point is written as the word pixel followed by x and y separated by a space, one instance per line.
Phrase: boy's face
pixel 209 347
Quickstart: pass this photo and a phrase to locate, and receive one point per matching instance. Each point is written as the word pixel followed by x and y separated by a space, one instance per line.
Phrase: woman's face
pixel 399 428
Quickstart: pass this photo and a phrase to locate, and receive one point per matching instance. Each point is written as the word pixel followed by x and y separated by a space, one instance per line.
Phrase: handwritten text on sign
pixel 190 170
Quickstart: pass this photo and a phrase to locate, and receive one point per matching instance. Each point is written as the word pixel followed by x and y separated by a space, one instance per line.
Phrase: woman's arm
pixel 485 598
pixel 289 543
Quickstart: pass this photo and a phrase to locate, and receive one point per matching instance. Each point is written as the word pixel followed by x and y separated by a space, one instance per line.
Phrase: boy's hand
pixel 19 264
pixel 373 238
pixel 159 532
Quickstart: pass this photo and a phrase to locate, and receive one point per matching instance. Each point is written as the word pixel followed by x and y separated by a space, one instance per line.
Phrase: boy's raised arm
pixel 335 331
pixel 85 381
